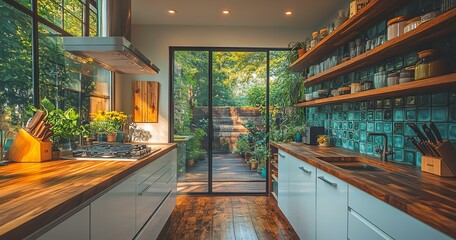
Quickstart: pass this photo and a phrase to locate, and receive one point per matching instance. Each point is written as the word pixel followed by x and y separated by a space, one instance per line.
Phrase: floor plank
pixel 237 217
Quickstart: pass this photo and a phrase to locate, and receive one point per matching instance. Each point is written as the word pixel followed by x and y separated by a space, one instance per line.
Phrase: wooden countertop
pixel 428 198
pixel 34 194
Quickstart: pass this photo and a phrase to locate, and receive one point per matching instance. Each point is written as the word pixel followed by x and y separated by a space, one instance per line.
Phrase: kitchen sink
pixel 351 163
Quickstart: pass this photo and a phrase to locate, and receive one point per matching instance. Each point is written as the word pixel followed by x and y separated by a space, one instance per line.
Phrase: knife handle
pixel 429 133
pixel 436 131
pixel 417 131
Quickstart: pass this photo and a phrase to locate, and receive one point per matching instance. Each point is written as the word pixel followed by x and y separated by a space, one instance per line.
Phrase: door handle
pixel 281 155
pixel 305 170
pixel 328 182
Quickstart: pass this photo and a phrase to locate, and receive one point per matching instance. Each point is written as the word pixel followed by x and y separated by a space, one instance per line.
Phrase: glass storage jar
pixel 380 78
pixel 314 39
pixel 396 27
pixel 429 65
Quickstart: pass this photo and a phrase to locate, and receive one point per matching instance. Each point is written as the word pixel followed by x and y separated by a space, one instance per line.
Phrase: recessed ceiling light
pixel 288 13
pixel 172 11
pixel 226 12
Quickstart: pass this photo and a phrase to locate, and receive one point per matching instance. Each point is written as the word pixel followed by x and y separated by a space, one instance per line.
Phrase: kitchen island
pixel 37 196
pixel 423 196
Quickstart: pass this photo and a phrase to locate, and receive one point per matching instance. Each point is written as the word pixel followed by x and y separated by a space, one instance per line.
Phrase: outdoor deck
pixel 230 174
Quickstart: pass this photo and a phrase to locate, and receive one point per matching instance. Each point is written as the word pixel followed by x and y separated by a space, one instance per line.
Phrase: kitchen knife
pixel 37 128
pixel 428 150
pixel 39 116
pixel 417 146
pixel 436 132
pixel 417 131
pixel 47 134
pixel 429 133
pixel 433 150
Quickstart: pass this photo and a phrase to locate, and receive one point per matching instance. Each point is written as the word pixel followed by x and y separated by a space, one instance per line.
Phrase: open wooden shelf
pixel 274 177
pixel 274 164
pixel 396 90
pixel 426 32
pixel 375 11
pixel 274 195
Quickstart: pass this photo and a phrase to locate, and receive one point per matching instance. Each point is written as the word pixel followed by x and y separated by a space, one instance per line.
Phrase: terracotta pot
pixel 253 165
pixel 190 163
pixel 111 137
pixel 248 155
pixel 301 52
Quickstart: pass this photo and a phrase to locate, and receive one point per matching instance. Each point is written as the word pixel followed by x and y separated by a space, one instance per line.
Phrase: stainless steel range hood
pixel 112 50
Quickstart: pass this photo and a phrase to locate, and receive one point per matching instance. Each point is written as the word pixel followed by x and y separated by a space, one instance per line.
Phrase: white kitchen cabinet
pixel 283 163
pixel 360 228
pixel 388 219
pixel 113 214
pixel 302 197
pixel 76 227
pixel 332 194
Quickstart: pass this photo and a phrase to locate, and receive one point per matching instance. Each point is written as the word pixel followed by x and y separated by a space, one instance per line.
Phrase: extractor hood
pixel 112 49
pixel 113 53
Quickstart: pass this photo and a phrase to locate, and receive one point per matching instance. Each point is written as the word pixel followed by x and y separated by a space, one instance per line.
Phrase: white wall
pixel 154 42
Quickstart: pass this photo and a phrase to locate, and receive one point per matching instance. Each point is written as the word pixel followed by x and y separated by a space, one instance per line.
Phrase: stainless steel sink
pixel 351 163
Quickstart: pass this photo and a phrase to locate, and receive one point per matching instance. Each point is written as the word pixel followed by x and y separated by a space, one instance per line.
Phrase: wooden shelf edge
pixel 400 42
pixel 275 165
pixel 396 90
pixel 365 16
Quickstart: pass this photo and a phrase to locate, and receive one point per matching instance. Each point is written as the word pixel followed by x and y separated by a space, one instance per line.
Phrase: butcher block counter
pixel 426 197
pixel 35 194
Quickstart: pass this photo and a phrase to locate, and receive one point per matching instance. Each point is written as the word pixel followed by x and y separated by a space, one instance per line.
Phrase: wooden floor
pixel 240 217
pixel 230 174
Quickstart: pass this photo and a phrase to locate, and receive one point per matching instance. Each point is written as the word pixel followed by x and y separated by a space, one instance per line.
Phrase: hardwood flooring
pixel 237 217
pixel 230 174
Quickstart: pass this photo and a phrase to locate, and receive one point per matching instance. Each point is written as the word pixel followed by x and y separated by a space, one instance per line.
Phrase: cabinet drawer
pixel 389 219
pixel 360 229
pixel 152 194
pixel 152 168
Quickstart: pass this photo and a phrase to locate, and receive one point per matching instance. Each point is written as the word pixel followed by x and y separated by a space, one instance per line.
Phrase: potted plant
pixel 253 164
pixel 65 125
pixel 298 131
pixel 297 50
pixel 323 141
pixel 109 123
pixel 242 146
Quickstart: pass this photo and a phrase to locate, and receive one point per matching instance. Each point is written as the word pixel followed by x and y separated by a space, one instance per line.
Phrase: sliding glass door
pixel 220 118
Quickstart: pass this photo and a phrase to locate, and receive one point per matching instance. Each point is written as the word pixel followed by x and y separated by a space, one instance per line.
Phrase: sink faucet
pixel 384 152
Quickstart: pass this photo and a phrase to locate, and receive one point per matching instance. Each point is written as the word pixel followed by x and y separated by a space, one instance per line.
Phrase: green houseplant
pixel 108 122
pixel 65 124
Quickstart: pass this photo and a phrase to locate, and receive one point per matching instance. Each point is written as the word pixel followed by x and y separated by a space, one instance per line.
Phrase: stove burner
pixel 122 151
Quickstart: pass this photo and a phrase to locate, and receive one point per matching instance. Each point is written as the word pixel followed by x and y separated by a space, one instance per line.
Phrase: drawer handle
pixel 304 170
pixel 145 190
pixel 281 155
pixel 327 181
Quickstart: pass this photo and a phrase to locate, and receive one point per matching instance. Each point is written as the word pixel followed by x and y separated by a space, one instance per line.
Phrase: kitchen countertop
pixel 35 194
pixel 428 198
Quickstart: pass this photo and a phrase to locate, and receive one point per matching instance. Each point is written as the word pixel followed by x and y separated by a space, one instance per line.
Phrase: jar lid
pixel 315 34
pixel 394 74
pixel 324 31
pixel 396 20
pixel 427 53
pixel 345 89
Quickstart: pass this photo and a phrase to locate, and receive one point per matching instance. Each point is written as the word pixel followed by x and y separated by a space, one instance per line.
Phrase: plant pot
pixel 55 154
pixel 190 163
pixel 248 155
pixel 301 52
pixel 111 137
pixel 263 173
pixel 298 137
pixel 253 165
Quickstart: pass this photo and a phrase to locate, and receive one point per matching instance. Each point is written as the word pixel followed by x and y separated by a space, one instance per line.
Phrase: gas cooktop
pixel 114 152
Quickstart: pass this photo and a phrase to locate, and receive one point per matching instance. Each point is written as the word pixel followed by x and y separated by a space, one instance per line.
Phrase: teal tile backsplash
pixel 348 124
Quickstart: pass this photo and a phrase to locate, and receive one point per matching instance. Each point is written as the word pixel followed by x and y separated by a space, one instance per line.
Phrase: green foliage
pixel 256 96
pixel 242 145
pixel 194 150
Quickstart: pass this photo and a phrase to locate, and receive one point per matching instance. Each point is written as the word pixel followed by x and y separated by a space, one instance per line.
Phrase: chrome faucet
pixel 384 152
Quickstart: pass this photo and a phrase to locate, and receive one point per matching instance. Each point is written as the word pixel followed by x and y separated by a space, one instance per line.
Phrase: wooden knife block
pixel 26 148
pixel 444 166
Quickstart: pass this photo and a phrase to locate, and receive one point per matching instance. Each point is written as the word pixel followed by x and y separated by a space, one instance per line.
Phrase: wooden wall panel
pixel 145 101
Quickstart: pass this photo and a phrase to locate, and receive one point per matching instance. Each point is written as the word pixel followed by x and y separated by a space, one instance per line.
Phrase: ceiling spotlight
pixel 172 11
pixel 226 12
pixel 288 12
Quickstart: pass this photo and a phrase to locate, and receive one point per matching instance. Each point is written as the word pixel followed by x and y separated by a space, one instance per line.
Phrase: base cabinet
pixel 302 198
pixel 282 200
pixel 113 214
pixel 76 227
pixel 332 198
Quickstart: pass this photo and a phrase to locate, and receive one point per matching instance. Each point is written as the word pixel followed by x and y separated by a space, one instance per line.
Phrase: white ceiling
pixel 309 14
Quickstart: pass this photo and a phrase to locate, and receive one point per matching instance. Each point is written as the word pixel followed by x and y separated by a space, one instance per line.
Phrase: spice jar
pixel 407 75
pixel 355 87
pixel 412 24
pixel 323 33
pixel 314 39
pixel 396 27
pixel 429 65
pixel 393 79
pixel 380 78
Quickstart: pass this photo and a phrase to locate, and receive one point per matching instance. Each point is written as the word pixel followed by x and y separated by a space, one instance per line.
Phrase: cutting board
pixel 145 101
